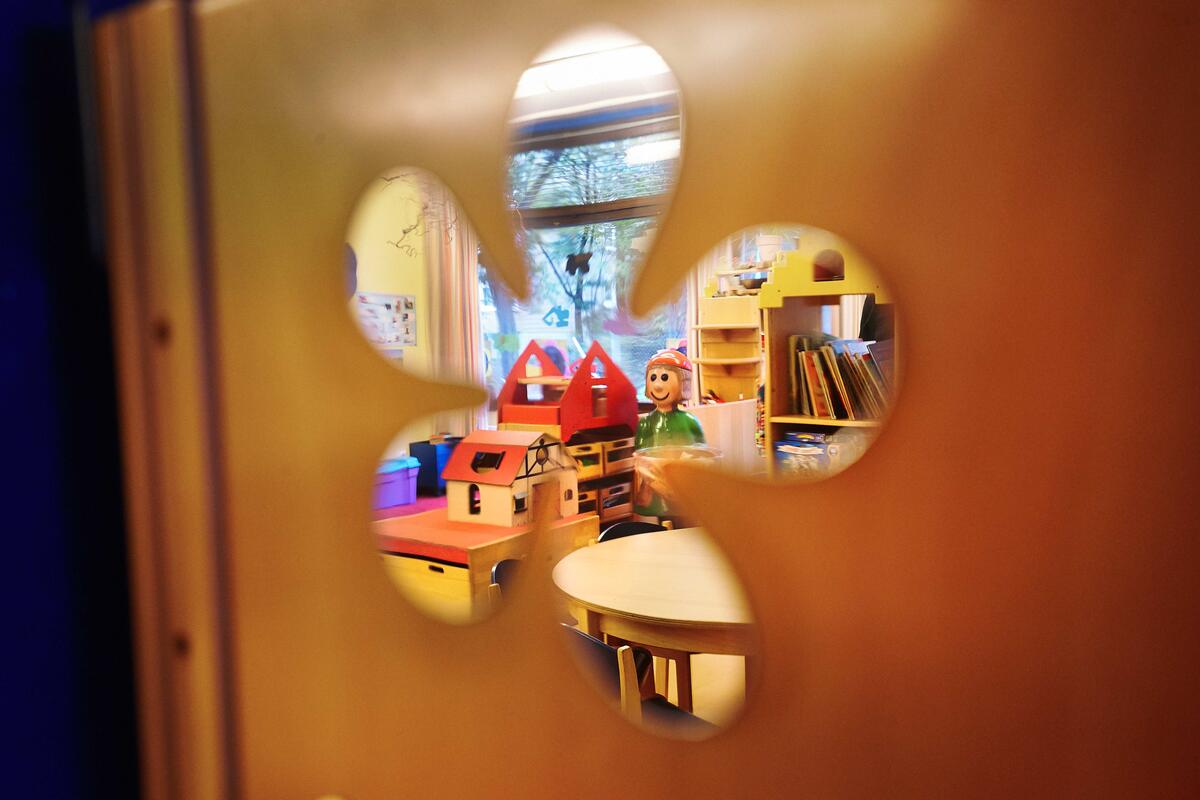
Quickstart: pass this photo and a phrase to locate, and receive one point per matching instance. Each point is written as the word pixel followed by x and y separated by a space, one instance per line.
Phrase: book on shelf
pixel 882 352
pixel 841 399
pixel 802 401
pixel 817 397
pixel 799 399
pixel 853 371
pixel 838 378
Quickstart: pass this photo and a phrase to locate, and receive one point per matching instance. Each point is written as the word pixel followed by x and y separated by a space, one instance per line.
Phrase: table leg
pixel 683 675
pixel 662 675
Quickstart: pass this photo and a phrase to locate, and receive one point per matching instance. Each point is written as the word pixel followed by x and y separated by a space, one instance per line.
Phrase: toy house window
pixel 520 502
pixel 473 499
pixel 486 462
pixel 568 494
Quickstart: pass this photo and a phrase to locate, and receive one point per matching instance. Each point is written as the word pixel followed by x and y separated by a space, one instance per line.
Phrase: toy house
pixel 597 395
pixel 594 411
pixel 492 476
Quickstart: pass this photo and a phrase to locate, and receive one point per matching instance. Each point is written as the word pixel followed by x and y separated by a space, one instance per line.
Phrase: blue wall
pixel 67 675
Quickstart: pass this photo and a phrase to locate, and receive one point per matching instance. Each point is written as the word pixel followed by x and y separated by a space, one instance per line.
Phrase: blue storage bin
pixel 433 458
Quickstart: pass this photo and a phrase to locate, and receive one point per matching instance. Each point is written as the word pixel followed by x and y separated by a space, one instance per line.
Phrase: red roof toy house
pixel 594 412
pixel 492 476
pixel 563 406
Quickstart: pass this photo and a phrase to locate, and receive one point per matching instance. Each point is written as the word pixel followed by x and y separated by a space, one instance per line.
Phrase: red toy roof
pixel 511 445
pixel 578 409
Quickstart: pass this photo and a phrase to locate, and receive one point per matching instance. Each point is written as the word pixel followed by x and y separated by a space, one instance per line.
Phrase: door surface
pixel 995 600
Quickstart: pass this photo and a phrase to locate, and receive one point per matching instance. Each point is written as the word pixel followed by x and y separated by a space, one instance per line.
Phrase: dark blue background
pixel 67 675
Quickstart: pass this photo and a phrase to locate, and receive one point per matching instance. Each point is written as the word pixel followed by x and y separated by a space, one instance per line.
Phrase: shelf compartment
pixel 792 276
pixel 731 326
pixel 799 419
pixel 727 362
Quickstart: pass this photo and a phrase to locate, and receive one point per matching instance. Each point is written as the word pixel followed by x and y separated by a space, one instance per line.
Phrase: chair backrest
pixel 601 661
pixel 504 571
pixel 620 530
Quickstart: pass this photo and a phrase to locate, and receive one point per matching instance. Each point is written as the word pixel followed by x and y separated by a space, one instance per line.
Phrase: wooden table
pixel 670 590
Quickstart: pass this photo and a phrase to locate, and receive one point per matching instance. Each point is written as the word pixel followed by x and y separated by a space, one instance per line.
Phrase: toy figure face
pixel 664 388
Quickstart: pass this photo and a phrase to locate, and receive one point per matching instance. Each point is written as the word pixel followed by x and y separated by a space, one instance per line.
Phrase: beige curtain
pixel 452 261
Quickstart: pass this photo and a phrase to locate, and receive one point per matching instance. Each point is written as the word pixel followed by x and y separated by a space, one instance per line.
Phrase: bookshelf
pixel 791 302
pixel 729 350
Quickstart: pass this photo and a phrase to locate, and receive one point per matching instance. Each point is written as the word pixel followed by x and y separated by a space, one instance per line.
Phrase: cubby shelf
pixel 791 301
pixel 728 346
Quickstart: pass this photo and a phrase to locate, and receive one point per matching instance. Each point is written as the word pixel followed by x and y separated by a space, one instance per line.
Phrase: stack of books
pixel 839 378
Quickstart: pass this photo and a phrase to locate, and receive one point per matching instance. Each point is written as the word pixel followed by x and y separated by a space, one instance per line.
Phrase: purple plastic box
pixel 396 483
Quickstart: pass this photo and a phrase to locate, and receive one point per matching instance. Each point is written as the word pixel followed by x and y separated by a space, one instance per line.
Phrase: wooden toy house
pixel 594 411
pixel 598 395
pixel 492 476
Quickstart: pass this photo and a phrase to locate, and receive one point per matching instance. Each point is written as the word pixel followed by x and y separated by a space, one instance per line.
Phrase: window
pixel 568 494
pixel 588 212
pixel 473 499
pixel 486 462
pixel 520 502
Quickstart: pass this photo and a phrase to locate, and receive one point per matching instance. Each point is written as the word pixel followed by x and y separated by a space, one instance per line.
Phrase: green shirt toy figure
pixel 668 382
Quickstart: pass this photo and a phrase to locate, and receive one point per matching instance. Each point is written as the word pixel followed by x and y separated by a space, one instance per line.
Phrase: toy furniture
pixel 594 412
pixel 433 456
pixel 445 567
pixel 672 592
pixel 445 558
pixel 504 572
pixel 491 476
pixel 564 406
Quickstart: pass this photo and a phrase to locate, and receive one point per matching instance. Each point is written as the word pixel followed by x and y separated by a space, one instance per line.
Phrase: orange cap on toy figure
pixel 669 358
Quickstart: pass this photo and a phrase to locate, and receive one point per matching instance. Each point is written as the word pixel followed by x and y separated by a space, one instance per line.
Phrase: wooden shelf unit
pixel 791 302
pixel 825 422
pixel 728 362
pixel 728 356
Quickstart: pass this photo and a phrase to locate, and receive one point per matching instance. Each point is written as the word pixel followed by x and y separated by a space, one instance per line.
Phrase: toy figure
pixel 668 383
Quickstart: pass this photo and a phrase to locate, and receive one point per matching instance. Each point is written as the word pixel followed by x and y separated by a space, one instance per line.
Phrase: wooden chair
pixel 683 661
pixel 503 573
pixel 620 530
pixel 624 673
